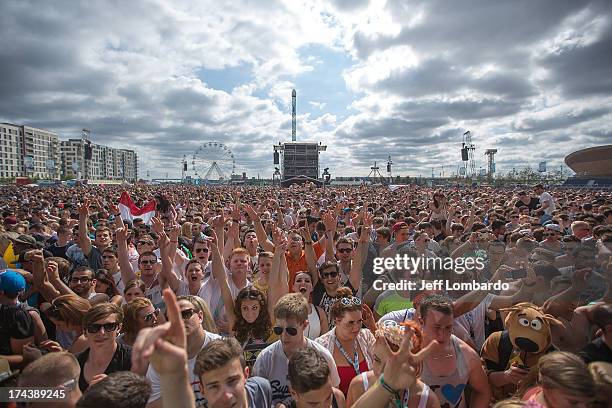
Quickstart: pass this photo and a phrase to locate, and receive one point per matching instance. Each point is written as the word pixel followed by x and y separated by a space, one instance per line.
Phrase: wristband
pixel 174 242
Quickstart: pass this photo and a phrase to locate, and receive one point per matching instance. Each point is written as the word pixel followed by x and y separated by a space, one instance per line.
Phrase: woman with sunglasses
pixel 398 385
pixel 138 314
pixel 66 312
pixel 106 284
pixel 550 239
pixel 105 355
pixel 390 332
pixel 350 345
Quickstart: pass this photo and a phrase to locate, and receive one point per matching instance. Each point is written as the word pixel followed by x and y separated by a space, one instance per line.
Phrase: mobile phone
pixel 518 273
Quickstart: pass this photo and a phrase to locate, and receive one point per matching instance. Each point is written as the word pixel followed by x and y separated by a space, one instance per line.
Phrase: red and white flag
pixel 129 211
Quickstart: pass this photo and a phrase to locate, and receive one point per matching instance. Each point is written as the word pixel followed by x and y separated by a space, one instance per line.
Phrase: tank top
pixel 449 388
pixel 314 324
pixel 422 401
pixel 347 373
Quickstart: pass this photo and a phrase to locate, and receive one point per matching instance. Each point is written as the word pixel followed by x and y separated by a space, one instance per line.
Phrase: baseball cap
pixel 26 240
pixel 11 282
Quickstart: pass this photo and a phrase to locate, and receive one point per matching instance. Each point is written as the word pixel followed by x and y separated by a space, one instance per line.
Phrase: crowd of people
pixel 268 297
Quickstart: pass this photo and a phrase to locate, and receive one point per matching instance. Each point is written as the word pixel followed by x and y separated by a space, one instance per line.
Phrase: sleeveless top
pixel 422 400
pixel 314 324
pixel 449 388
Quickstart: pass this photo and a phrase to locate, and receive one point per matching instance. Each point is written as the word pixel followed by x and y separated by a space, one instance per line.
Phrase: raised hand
pixel 52 270
pixel 305 234
pixel 113 209
pixel 277 236
pixel 164 345
pixel 175 232
pixel 157 225
pixel 83 209
pixel 401 366
pixel 329 220
pixel 252 214
pixel 218 222
pixel 121 234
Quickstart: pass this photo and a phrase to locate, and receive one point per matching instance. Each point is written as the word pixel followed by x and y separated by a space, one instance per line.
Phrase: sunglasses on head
pixel 249 294
pixel 153 315
pixel 326 275
pixel 350 301
pixel 345 250
pixel 278 330
pixel 108 327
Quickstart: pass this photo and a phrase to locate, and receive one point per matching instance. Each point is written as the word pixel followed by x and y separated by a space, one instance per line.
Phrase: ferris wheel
pixel 213 161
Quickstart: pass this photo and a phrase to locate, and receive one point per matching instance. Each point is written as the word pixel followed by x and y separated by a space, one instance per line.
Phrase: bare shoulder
pixel 339 397
pixel 469 353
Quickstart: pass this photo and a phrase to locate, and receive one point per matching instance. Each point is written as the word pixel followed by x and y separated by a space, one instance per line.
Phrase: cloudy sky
pixel 374 78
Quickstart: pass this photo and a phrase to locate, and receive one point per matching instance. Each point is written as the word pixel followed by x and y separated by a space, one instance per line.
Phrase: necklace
pixel 448 354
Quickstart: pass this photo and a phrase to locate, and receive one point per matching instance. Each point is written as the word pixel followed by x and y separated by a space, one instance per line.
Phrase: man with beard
pixel 83 282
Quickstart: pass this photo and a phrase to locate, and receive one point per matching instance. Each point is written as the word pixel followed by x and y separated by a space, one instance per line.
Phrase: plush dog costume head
pixel 529 327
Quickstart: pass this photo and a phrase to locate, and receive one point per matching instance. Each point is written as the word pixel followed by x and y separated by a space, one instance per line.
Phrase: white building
pixel 106 163
pixel 28 152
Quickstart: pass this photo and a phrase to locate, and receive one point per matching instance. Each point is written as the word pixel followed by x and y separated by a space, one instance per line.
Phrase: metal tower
pixel 389 164
pixel 293 119
pixel 491 166
pixel 375 173
pixel 467 142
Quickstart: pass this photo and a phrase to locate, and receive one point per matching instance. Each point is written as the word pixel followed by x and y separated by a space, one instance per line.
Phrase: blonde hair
pixel 208 322
pixel 292 306
pixel 186 230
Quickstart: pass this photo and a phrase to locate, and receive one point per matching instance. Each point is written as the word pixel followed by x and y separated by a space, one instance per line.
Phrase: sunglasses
pixel 326 275
pixel 345 250
pixel 292 331
pixel 153 315
pixel 198 250
pixel 148 262
pixel 108 327
pixel 80 280
pixel 145 243
pixel 350 301
pixel 249 294
pixel 187 313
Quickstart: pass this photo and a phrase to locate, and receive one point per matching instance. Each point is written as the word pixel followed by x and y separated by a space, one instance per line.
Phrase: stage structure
pixel 299 161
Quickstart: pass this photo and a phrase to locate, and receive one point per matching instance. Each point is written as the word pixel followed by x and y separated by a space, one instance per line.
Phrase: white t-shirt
pixel 551 206
pixel 153 377
pixel 399 316
pixel 211 293
pixel 474 321
pixel 273 364
pixel 119 282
